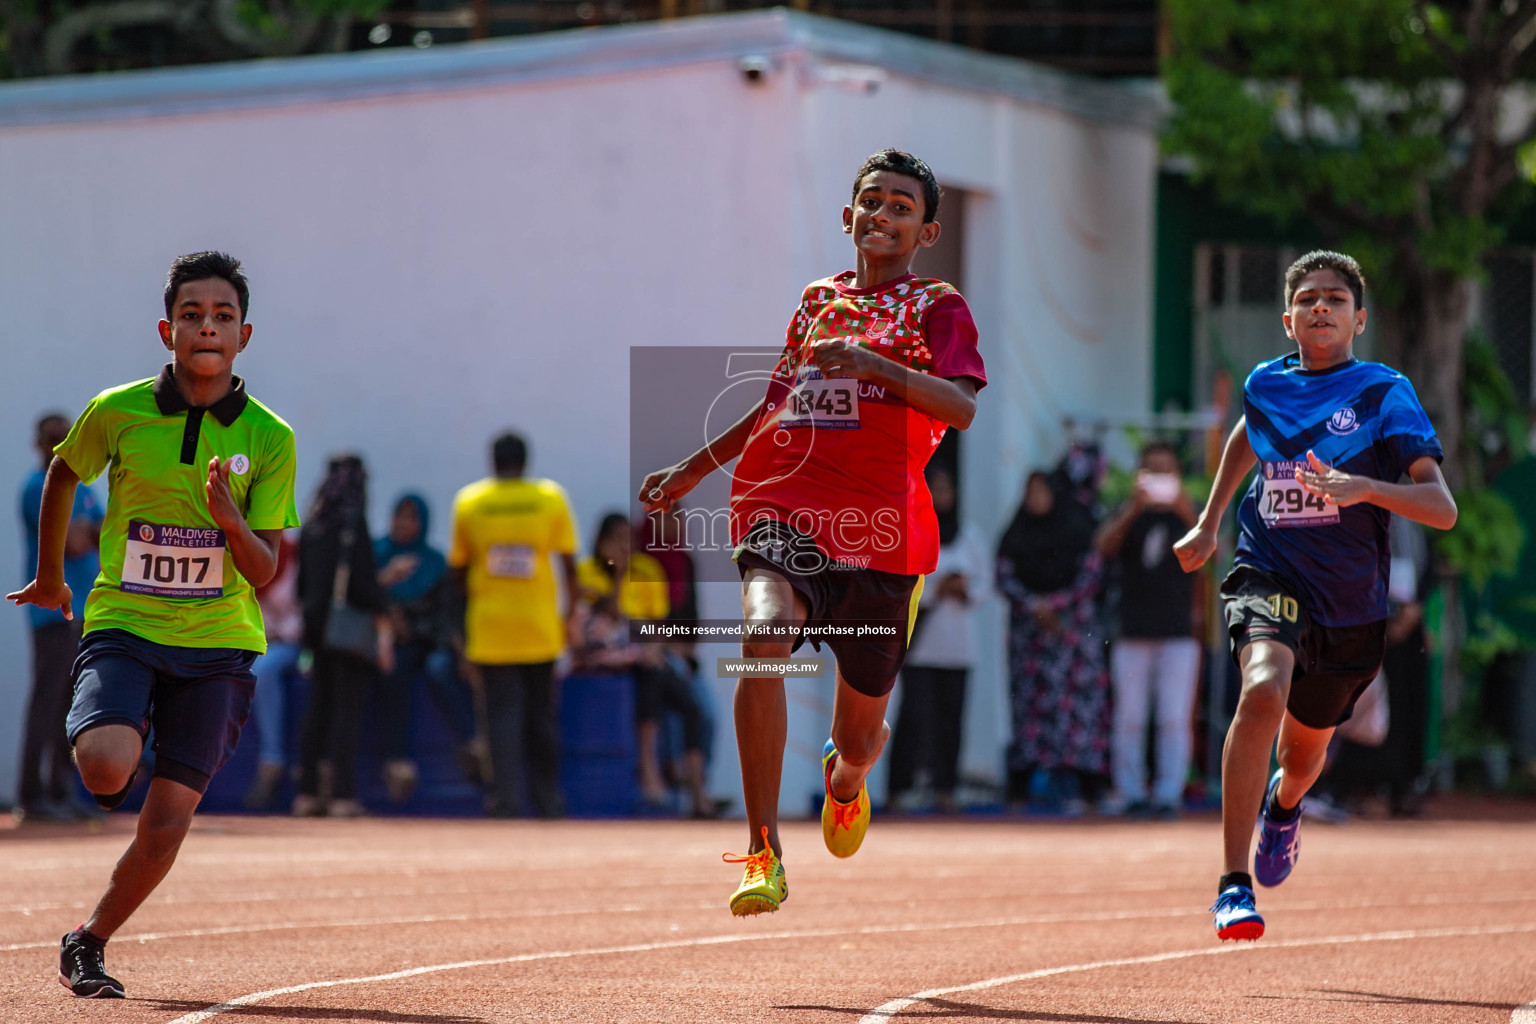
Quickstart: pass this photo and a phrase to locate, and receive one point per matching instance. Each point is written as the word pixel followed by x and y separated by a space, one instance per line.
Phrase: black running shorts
pixel 839 600
pixel 1334 664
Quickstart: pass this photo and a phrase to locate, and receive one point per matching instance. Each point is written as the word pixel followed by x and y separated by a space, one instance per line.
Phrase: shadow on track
pixel 267 1011
pixel 1342 995
pixel 949 1009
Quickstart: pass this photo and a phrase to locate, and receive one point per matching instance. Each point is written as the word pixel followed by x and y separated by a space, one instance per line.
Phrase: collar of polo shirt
pixel 170 402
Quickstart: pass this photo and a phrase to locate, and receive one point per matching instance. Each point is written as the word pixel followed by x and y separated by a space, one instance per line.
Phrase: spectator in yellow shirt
pixel 506 529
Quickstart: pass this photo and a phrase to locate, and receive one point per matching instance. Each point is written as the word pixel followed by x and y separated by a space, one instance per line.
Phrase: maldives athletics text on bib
pixel 173 561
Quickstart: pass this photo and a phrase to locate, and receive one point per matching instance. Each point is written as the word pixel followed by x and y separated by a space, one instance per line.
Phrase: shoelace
pixel 843 815
pixel 758 864
pixel 87 960
pixel 1230 899
pixel 1276 837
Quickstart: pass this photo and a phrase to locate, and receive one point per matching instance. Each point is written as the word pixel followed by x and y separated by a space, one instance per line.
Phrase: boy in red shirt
pixel 832 521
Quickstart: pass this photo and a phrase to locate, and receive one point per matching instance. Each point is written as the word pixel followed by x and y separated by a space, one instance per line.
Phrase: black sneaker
pixel 112 801
pixel 83 969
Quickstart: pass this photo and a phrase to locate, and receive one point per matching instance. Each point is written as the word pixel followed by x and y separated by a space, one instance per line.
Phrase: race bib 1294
pixel 174 561
pixel 1284 503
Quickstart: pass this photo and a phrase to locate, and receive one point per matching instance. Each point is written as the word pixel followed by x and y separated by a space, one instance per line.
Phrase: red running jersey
pixel 841 459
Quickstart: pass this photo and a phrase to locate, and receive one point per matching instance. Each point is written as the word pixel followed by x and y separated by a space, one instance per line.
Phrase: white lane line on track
pixel 1034 919
pixel 277 926
pixel 1524 1014
pixel 985 897
pixel 883 1013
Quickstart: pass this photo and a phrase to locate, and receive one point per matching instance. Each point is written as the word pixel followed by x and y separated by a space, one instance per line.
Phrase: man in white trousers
pixel 1156 655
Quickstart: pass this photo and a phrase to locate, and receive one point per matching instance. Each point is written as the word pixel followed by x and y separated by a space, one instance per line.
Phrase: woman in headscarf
pixel 338 587
pixel 414 575
pixel 1058 678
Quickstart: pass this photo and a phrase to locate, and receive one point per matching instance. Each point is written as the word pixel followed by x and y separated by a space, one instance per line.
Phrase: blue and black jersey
pixel 1363 418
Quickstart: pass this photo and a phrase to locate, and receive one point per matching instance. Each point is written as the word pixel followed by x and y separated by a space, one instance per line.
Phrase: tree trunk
pixel 1424 338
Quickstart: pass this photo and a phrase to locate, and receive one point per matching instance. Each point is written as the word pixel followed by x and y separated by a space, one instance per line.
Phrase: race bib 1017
pixel 1284 503
pixel 173 561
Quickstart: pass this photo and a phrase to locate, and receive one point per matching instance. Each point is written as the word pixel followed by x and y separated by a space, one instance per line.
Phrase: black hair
pixel 200 266
pixel 899 162
pixel 613 522
pixel 509 454
pixel 343 493
pixel 1162 444
pixel 610 524
pixel 1326 259
pixel 49 417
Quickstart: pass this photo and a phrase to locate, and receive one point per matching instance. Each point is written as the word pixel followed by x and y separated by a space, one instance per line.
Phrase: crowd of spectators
pixel 1102 636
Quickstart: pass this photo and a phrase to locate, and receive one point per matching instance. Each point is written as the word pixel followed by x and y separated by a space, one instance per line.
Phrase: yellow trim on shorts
pixel 917 595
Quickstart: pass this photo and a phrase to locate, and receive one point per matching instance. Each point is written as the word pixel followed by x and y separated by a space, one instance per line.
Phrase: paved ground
pixel 435 922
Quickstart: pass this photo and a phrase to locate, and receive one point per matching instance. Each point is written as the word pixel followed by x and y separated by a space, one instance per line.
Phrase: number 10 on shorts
pixel 1283 606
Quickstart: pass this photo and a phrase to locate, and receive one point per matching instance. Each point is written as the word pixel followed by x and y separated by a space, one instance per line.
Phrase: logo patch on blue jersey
pixel 1343 422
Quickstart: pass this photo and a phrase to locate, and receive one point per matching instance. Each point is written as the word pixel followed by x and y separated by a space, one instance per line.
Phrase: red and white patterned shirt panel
pixel 841 459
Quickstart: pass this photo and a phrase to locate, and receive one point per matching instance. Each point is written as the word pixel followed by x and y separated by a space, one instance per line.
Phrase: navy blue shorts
pixel 1334 664
pixel 196 698
pixel 839 595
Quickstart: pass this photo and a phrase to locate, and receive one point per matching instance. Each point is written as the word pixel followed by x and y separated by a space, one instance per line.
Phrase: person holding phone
pixel 1156 657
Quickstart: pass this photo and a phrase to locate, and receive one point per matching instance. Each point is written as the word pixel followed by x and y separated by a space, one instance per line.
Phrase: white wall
pixel 429 269
pixel 425 271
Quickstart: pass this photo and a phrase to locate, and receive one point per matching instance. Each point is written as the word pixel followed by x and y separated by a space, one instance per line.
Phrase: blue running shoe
pixel 1236 916
pixel 1279 842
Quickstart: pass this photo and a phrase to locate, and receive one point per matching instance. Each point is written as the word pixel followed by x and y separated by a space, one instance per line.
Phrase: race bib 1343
pixel 826 403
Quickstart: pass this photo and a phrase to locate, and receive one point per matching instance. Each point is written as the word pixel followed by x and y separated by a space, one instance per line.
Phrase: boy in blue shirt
pixel 47 774
pixel 1306 602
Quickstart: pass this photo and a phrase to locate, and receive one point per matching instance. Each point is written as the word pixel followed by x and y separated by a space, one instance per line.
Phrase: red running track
pixel 433 922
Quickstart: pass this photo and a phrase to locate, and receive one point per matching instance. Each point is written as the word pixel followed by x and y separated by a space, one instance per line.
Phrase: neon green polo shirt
pixel 166 574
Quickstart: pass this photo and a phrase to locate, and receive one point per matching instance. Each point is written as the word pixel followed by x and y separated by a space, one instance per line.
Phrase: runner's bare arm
pixel 47 589
pixel 1427 500
pixel 254 551
pixel 662 489
pixel 1111 536
pixel 951 399
pixel 1237 459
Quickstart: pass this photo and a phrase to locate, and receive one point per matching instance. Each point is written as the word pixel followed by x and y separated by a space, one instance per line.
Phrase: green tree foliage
pixel 1395 126
pixel 39 37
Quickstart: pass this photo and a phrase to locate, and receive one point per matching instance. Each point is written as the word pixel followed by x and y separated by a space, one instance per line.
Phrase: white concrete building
pixel 447 242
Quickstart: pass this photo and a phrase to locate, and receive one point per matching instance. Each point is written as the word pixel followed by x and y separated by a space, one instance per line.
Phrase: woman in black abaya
pixel 1059 682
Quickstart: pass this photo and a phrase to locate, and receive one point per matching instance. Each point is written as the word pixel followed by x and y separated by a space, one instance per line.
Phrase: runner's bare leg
pixel 860 732
pixel 762 717
pixel 1267 667
pixel 1303 752
pixel 163 824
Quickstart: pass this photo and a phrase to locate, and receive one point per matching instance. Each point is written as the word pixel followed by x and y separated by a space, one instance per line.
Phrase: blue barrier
pixel 597 715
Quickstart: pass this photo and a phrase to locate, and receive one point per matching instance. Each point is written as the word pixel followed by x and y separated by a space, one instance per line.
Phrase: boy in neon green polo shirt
pixel 201 478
